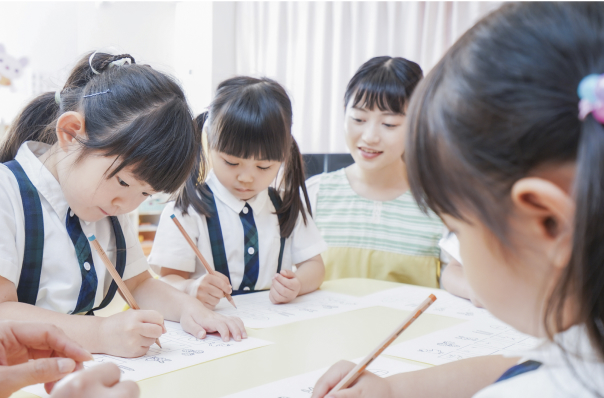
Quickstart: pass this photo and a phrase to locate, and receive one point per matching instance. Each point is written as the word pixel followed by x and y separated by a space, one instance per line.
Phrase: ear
pixel 70 126
pixel 547 212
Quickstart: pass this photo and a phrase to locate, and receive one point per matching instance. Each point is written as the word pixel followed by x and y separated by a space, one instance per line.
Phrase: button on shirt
pixel 60 279
pixel 171 250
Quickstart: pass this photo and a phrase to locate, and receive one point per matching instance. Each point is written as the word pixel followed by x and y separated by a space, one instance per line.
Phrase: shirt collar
pixel 46 184
pixel 235 204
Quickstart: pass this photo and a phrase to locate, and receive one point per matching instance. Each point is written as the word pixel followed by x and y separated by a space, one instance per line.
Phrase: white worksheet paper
pixel 180 350
pixel 301 386
pixel 409 297
pixel 466 340
pixel 257 312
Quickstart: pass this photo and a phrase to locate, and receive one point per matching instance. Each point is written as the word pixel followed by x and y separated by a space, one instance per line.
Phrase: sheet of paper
pixel 466 340
pixel 180 350
pixel 409 297
pixel 257 312
pixel 301 386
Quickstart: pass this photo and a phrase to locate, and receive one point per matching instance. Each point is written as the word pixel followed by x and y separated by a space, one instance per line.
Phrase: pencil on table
pixel 209 269
pixel 360 368
pixel 116 277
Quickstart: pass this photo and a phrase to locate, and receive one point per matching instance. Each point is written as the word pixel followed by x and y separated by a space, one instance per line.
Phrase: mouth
pixel 104 212
pixel 243 190
pixel 369 153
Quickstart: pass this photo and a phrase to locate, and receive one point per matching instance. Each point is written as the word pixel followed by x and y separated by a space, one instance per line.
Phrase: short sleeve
pixel 312 188
pixel 11 209
pixel 136 262
pixel 450 245
pixel 306 240
pixel 170 248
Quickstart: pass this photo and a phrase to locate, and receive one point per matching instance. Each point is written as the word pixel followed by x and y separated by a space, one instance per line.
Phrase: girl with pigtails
pixel 74 163
pixel 249 231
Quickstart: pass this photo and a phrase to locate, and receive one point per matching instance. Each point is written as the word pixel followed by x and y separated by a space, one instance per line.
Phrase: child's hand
pixel 131 333
pixel 367 385
pixel 211 288
pixel 102 381
pixel 198 320
pixel 285 287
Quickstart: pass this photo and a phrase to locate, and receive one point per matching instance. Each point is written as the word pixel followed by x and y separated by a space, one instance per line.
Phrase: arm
pixel 456 379
pixel 288 285
pixel 453 280
pixel 178 306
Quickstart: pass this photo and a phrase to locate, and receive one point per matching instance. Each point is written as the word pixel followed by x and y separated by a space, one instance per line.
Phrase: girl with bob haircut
pixel 506 144
pixel 250 232
pixel 366 212
pixel 75 162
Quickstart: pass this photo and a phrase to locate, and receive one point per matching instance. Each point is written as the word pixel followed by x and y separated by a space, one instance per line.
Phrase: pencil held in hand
pixel 116 277
pixel 360 368
pixel 209 269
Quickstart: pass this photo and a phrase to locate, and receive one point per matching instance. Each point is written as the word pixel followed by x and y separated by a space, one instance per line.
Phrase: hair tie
pixel 121 62
pixel 90 63
pixel 591 93
pixel 58 97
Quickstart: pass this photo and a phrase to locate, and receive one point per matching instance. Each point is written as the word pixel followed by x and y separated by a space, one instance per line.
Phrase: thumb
pixel 37 371
pixel 288 273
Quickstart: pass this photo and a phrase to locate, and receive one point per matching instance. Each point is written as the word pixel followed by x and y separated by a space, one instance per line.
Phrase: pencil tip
pixel 92 238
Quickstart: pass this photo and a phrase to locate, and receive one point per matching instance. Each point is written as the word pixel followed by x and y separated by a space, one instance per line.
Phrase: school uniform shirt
pixel 387 240
pixel 575 371
pixel 60 279
pixel 171 250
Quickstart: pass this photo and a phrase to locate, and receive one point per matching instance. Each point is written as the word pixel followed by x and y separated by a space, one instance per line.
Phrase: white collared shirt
pixel 575 370
pixel 60 279
pixel 171 250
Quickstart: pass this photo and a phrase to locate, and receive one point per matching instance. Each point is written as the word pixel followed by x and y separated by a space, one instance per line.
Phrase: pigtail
pixel 34 123
pixel 585 275
pixel 293 182
pixel 194 189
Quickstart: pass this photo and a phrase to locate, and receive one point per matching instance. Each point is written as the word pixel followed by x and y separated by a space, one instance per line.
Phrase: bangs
pixel 252 126
pixel 159 145
pixel 379 92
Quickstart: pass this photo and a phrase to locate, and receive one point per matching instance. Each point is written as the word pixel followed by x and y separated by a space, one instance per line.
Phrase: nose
pixel 371 134
pixel 245 178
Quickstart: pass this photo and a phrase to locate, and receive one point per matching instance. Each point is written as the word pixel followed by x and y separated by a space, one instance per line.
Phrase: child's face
pixel 513 284
pixel 375 138
pixel 244 178
pixel 92 196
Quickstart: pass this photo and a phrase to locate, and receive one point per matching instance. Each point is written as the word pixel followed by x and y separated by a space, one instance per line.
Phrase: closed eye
pixel 391 125
pixel 264 168
pixel 229 163
pixel 122 182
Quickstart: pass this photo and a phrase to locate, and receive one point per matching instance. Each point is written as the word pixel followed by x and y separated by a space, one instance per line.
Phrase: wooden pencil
pixel 116 277
pixel 209 269
pixel 360 368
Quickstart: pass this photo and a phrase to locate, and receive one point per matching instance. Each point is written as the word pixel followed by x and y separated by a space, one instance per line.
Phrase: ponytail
pixel 34 123
pixel 584 277
pixel 194 188
pixel 292 182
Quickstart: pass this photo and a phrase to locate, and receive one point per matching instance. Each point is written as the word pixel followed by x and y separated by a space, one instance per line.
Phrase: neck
pixel 382 184
pixel 50 159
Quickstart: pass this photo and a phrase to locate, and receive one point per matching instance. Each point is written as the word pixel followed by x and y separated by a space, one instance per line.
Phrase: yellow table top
pixel 299 347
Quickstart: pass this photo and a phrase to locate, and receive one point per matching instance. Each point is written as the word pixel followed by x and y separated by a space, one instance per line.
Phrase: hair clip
pixel 591 93
pixel 95 94
pixel 121 62
pixel 90 63
pixel 58 97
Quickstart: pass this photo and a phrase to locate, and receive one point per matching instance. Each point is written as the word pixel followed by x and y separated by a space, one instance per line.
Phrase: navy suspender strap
pixel 217 240
pixel 120 246
pixel 277 202
pixel 29 281
pixel 215 232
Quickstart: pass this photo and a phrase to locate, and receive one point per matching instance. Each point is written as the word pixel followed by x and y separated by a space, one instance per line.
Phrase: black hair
pixel 385 82
pixel 141 117
pixel 252 118
pixel 502 102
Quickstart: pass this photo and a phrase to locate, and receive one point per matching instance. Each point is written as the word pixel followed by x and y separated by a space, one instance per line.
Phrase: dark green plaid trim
pixel 29 280
pixel 84 255
pixel 250 240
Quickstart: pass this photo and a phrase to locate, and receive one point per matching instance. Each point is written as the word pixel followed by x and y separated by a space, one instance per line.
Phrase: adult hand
pixel 102 381
pixel 32 353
